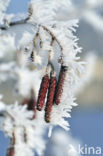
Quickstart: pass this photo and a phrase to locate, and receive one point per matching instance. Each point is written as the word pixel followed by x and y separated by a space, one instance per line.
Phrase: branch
pixel 23 21
pixel 53 36
pixel 60 60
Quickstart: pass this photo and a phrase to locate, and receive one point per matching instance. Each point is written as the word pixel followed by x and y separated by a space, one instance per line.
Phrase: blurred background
pixel 87 119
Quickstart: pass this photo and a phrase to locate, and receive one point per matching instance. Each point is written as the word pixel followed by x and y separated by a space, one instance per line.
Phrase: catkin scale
pixel 42 92
pixel 10 151
pixel 60 84
pixel 50 97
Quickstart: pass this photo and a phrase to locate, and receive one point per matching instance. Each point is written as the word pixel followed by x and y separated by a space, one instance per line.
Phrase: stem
pixel 53 36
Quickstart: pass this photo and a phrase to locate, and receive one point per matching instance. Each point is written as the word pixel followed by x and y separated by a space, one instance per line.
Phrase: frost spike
pixel 50 97
pixel 59 87
pixel 43 91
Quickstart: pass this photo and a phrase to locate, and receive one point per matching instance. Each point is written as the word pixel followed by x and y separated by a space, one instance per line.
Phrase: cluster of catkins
pixel 50 91
pixel 51 88
pixel 49 94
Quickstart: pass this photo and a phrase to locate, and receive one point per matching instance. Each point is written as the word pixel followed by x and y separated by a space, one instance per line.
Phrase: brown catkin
pixel 42 92
pixel 60 84
pixel 10 151
pixel 50 97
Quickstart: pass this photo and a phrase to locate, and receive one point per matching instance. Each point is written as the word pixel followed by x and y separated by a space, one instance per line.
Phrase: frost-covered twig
pixel 17 119
pixel 24 21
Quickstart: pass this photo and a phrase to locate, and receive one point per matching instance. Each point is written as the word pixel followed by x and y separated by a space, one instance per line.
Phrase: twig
pixel 53 36
pixel 23 21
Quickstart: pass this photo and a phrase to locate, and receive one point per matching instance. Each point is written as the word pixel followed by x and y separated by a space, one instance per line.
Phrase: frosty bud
pixel 42 92
pixel 60 84
pixel 50 97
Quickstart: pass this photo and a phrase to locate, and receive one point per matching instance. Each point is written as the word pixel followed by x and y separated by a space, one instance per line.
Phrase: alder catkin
pixel 10 152
pixel 50 97
pixel 42 92
pixel 60 84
